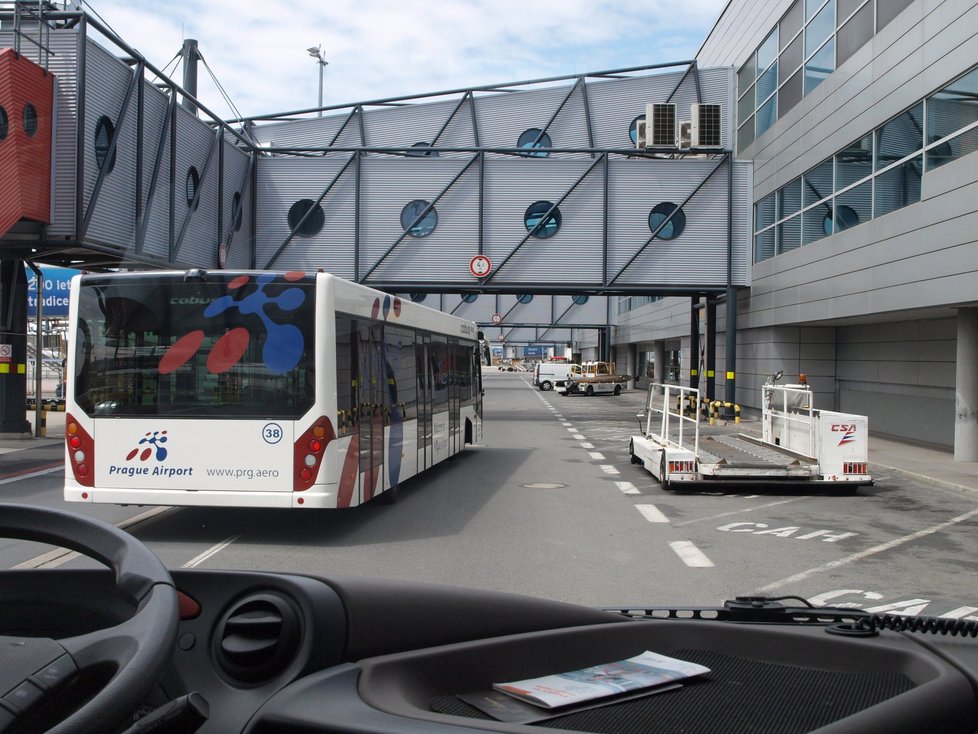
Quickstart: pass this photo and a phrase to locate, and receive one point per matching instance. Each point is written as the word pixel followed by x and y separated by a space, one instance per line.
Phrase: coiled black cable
pixel 931 625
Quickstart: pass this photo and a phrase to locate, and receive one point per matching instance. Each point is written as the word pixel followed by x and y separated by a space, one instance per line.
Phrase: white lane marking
pixel 572 429
pixel 868 552
pixel 566 423
pixel 59 556
pixel 652 513
pixel 736 512
pixel 212 551
pixel 596 455
pixel 609 469
pixel 587 445
pixel 41 473
pixel 690 554
pixel 578 437
pixel 628 488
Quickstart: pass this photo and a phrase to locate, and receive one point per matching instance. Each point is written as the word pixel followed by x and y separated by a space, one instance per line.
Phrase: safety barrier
pixel 727 408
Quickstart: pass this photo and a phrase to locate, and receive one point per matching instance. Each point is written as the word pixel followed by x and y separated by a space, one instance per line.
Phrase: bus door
pixel 454 396
pixel 371 406
pixel 424 377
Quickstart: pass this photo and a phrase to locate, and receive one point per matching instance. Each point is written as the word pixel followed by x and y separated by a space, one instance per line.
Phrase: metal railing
pixel 665 406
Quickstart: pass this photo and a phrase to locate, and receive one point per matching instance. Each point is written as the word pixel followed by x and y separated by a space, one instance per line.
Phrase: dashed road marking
pixel 690 555
pixel 652 514
pixel 628 488
pixel 596 455
pixel 586 445
pixel 609 469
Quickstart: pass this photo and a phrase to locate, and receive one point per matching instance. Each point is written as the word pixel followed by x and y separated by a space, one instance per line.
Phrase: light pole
pixel 317 53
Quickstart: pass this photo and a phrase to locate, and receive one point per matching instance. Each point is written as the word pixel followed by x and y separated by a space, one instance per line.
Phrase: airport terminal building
pixel 801 196
pixel 860 118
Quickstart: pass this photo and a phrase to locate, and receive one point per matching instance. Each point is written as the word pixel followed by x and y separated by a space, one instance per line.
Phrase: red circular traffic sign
pixel 480 265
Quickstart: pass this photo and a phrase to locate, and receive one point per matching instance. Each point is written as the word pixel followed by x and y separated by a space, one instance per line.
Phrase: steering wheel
pixel 35 671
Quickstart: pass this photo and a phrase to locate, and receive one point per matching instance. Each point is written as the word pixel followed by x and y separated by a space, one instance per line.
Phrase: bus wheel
pixel 617 389
pixel 546 385
pixel 589 390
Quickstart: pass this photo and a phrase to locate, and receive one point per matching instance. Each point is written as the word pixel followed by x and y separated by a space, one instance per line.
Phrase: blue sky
pixel 380 48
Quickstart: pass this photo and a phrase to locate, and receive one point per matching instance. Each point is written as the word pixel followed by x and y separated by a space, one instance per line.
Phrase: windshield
pixel 227 347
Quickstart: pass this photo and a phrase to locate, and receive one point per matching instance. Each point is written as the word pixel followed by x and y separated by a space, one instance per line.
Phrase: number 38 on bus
pixel 260 389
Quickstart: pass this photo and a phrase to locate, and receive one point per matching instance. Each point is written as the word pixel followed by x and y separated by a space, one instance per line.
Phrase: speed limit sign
pixel 480 266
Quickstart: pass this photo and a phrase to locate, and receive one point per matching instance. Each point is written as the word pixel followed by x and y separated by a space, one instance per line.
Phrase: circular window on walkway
pixel 581 300
pixel 192 184
pixel 418 297
pixel 104 132
pixel 674 227
pixel 524 297
pixel 411 223
pixel 30 120
pixel 306 226
pixel 534 138
pixel 633 129
pixel 3 123
pixel 469 297
pixel 845 217
pixel 538 223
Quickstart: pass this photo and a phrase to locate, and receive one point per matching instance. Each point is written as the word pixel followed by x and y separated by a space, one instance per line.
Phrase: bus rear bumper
pixel 311 498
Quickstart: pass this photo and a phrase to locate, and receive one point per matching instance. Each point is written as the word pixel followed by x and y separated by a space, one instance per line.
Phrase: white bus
pixel 260 389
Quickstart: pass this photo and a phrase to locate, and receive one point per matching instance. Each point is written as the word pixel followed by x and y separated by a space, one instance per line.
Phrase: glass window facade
pixel 810 41
pixel 873 176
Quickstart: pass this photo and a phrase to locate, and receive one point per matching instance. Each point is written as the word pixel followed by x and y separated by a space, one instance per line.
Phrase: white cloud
pixel 379 48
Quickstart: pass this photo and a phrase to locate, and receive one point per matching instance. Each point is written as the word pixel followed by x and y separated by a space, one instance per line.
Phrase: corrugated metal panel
pixel 613 104
pixel 107 80
pixel 284 181
pixel 574 255
pixel 237 229
pixel 442 256
pixel 25 153
pixel 195 143
pixel 699 254
pixel 157 242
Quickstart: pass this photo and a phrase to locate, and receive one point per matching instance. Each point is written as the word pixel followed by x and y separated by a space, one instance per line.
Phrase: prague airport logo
pixel 149 442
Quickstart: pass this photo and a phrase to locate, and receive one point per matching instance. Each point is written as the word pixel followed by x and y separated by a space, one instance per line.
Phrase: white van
pixel 548 375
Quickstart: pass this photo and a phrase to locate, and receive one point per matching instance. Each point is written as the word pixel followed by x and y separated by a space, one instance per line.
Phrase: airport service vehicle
pixel 192 650
pixel 798 442
pixel 550 375
pixel 596 378
pixel 260 389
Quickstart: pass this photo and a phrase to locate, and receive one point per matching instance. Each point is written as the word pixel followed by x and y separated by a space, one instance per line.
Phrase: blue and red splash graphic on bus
pixel 283 347
pixel 395 446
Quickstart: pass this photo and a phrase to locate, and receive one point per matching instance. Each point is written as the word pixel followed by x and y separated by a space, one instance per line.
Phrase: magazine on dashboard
pixel 563 689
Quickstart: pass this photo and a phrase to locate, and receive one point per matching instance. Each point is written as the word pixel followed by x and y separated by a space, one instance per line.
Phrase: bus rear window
pixel 232 346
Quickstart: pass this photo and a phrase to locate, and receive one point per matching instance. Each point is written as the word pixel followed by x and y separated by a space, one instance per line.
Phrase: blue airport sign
pixel 55 292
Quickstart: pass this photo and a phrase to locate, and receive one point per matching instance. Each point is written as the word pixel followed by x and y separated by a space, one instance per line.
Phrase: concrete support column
pixel 661 368
pixel 966 387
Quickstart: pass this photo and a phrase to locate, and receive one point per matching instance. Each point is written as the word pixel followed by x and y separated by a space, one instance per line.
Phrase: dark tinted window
pixel 854 34
pixel 233 346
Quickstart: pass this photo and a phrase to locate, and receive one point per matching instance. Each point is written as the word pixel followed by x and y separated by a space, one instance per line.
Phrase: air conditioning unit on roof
pixel 685 134
pixel 660 130
pixel 706 129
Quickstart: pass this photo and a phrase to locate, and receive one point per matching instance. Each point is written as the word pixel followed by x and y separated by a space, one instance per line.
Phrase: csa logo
pixel 151 441
pixel 847 429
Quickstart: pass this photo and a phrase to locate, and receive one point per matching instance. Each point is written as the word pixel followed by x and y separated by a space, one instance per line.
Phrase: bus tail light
pixel 81 452
pixel 855 467
pixel 682 467
pixel 308 453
